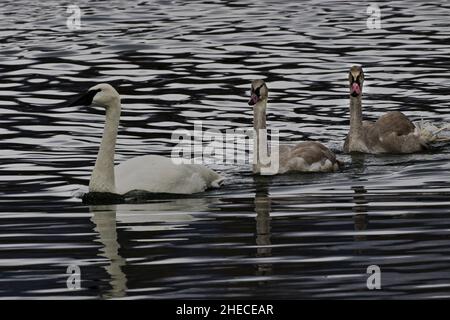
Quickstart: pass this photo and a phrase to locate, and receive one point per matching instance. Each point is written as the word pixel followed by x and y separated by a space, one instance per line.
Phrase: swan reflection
pixel 360 219
pixel 154 216
pixel 104 218
pixel 263 229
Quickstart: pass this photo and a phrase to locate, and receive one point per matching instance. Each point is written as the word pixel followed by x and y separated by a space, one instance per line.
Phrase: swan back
pixel 159 174
pixel 307 156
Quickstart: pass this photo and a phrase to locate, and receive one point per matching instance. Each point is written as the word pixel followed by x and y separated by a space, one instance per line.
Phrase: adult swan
pixel 149 173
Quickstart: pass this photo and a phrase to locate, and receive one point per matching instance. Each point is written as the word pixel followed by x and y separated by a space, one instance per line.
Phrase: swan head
pixel 103 95
pixel 356 80
pixel 259 92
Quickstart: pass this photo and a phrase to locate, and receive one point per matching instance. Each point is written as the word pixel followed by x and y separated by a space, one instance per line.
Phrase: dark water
pixel 292 236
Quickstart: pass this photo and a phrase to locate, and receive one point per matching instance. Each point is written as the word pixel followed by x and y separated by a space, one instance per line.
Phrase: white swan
pixel 308 156
pixel 150 173
pixel 393 132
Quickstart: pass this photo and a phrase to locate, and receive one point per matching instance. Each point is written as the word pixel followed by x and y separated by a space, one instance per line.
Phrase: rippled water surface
pixel 175 62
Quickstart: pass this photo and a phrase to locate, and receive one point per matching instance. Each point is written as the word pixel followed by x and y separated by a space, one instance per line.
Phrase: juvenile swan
pixel 149 173
pixel 304 157
pixel 393 132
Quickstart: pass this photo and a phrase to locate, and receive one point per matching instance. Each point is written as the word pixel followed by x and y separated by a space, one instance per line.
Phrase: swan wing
pixel 398 134
pixel 407 143
pixel 393 132
pixel 160 175
pixel 307 157
pixel 394 122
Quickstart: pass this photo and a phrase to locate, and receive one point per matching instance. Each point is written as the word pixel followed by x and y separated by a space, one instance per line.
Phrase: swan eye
pixel 360 78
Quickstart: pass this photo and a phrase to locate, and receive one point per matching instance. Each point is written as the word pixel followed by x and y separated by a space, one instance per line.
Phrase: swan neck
pixel 260 133
pixel 259 115
pixel 102 179
pixel 355 116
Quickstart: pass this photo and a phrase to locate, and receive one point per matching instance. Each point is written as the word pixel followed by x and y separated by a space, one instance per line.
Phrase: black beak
pixel 84 99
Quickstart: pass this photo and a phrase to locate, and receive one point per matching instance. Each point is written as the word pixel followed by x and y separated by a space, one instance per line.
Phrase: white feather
pixel 429 132
pixel 159 174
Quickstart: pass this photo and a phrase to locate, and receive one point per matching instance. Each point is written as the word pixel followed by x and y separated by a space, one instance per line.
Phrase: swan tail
pixel 217 183
pixel 429 133
pixel 340 164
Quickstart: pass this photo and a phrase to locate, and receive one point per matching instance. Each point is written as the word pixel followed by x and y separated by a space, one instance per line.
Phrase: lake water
pixel 174 63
